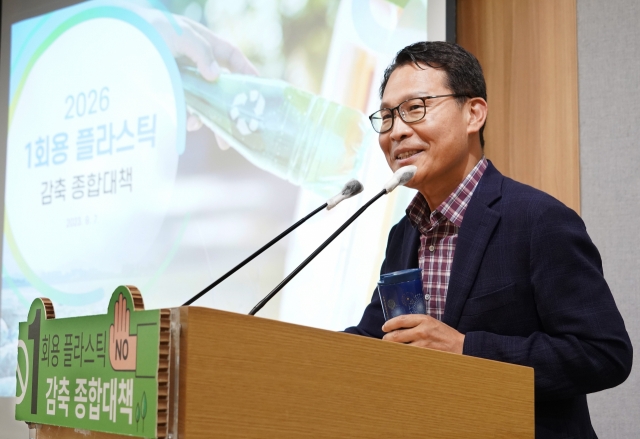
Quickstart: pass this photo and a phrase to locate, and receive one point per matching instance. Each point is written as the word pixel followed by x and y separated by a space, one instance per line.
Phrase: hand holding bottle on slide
pixel 293 134
pixel 210 53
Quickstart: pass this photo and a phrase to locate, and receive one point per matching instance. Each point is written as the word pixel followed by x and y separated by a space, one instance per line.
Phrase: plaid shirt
pixel 438 236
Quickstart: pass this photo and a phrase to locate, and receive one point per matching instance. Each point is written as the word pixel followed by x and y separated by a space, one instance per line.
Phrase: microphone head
pixel 406 174
pixel 401 177
pixel 351 188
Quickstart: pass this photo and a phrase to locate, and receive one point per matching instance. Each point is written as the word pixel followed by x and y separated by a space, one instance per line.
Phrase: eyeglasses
pixel 412 110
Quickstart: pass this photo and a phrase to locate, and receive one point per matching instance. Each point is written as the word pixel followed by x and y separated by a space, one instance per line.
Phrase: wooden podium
pixel 239 376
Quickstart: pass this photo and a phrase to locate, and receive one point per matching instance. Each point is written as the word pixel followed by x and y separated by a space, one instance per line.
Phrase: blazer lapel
pixel 477 226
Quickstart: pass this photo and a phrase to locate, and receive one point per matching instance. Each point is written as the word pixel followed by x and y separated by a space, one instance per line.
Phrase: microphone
pixel 400 177
pixel 351 188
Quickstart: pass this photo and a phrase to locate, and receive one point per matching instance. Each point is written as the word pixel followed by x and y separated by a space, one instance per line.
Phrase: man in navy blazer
pixel 525 283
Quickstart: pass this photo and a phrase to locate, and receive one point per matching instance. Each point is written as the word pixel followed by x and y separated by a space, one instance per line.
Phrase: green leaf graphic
pixel 144 405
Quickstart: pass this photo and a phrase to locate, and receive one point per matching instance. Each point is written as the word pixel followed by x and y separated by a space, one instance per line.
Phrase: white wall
pixel 609 87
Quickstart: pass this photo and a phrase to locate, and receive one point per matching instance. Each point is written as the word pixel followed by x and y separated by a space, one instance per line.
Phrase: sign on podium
pixel 104 373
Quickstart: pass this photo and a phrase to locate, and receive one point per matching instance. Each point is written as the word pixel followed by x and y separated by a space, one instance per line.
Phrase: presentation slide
pixel 159 143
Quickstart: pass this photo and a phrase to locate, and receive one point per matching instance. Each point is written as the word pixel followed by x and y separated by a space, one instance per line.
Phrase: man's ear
pixel 477 114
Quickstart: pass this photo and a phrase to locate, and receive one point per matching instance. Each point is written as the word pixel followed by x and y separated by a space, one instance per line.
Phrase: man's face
pixel 437 144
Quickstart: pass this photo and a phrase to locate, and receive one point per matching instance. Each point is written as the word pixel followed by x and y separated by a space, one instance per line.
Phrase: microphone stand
pixel 252 257
pixel 298 269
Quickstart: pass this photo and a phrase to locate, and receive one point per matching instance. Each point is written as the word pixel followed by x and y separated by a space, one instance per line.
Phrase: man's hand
pixel 424 331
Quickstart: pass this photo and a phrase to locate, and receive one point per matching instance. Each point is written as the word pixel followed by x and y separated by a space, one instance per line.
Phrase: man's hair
pixel 464 74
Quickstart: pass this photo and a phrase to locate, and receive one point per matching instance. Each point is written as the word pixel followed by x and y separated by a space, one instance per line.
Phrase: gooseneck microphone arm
pixel 400 177
pixel 299 268
pixel 252 257
pixel 351 188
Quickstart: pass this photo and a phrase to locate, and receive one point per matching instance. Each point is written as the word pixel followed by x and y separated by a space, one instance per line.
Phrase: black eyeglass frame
pixel 397 109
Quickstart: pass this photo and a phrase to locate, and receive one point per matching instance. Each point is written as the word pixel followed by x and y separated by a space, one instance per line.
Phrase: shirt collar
pixel 452 208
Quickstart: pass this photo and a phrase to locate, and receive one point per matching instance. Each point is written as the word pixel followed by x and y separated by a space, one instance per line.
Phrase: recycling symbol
pixel 247 122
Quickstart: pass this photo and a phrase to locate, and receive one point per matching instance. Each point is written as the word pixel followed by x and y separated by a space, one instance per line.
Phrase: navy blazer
pixel 527 288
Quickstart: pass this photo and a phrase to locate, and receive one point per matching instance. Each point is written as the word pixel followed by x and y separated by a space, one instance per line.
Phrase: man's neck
pixel 436 193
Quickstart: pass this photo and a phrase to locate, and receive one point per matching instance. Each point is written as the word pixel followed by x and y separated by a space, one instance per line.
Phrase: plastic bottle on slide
pixel 296 135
